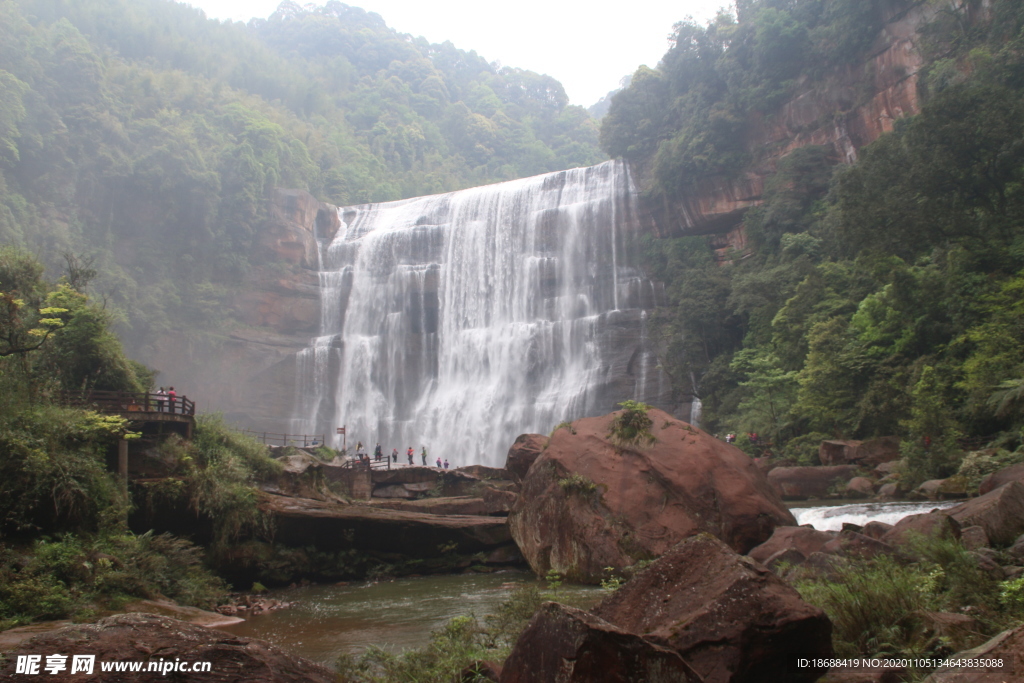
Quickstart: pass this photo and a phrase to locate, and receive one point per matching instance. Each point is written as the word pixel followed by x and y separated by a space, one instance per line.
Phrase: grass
pixel 456 647
pixel 878 606
pixel 74 575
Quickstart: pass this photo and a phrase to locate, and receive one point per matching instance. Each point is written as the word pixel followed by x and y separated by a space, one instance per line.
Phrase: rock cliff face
pixel 846 110
pixel 249 373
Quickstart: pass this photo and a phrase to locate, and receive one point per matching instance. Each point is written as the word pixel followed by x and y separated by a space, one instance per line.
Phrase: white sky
pixel 588 46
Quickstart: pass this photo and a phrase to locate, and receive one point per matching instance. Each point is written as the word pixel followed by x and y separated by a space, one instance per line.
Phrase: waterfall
pixel 459 321
pixel 696 408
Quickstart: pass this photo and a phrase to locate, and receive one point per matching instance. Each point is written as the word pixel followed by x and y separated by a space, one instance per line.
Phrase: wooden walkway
pixel 151 411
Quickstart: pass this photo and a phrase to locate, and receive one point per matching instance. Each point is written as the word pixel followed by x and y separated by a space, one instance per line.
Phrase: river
pixel 328 620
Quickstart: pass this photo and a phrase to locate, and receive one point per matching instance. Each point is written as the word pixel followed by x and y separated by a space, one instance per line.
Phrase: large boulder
pixel 934 524
pixel 1007 648
pixel 524 451
pixel 731 619
pixel 567 645
pixel 1003 476
pixel 149 638
pixel 864 453
pixel 1000 513
pixel 804 539
pixel 860 487
pixel 587 504
pixel 801 483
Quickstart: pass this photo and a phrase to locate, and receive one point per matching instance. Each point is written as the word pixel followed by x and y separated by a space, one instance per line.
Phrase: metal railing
pixel 271 439
pixel 131 402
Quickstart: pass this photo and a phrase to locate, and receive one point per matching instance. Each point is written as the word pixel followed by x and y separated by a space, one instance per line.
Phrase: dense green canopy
pixel 146 136
pixel 878 298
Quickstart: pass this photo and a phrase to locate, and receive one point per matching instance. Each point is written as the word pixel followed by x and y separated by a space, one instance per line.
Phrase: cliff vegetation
pixel 145 137
pixel 879 297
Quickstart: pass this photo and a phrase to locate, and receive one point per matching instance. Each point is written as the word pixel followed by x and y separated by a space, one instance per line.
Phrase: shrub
pixel 63 577
pixel 632 427
pixel 578 484
pixel 452 648
pixel 876 606
pixel 53 474
pixel 218 471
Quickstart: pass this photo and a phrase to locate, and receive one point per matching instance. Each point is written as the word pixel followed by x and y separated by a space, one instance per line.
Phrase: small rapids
pixel 832 517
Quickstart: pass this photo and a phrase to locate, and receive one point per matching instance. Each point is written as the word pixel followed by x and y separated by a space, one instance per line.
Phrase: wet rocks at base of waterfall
pixel 250 605
pixel 523 452
pixel 804 540
pixel 731 619
pixel 934 524
pixel 700 607
pixel 1001 477
pixel 1000 513
pixel 568 645
pixel 802 483
pixel 156 639
pixel 1007 647
pixel 865 454
pixel 588 504
pixel 859 487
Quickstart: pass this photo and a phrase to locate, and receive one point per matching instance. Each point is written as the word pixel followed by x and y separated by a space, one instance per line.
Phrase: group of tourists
pixel 753 436
pixel 167 400
pixel 410 453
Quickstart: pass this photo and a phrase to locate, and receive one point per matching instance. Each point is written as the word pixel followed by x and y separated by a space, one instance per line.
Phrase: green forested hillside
pixel 143 136
pixel 879 298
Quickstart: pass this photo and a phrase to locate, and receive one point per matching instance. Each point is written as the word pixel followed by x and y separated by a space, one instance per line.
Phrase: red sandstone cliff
pixel 848 109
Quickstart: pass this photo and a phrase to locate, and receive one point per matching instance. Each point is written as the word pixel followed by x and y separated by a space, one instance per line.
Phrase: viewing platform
pixel 152 414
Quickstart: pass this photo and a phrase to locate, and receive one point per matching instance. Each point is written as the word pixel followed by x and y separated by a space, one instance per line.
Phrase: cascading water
pixel 459 321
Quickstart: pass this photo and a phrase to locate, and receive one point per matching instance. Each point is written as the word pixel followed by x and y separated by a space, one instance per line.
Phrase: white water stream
pixel 459 321
pixel 832 518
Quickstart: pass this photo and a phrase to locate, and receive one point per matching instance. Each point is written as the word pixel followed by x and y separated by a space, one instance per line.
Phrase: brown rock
pixel 151 638
pixel 567 645
pixel 729 617
pixel 973 537
pixel 836 452
pixel 930 488
pixel 875 452
pixel 587 504
pixel 988 565
pixel 801 483
pixel 891 491
pixel 875 529
pixel 524 451
pixel 1008 646
pixel 860 487
pixel 1000 513
pixel 958 630
pixel 880 675
pixel 485 472
pixel 481 671
pixel 942 489
pixel 853 544
pixel 864 453
pixel 806 540
pixel 457 505
pixel 498 500
pixel 886 468
pixel 301 522
pixel 928 524
pixel 1003 476
pixel 787 557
